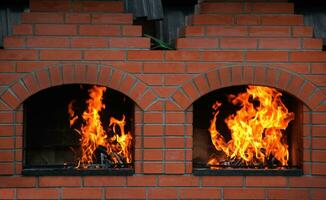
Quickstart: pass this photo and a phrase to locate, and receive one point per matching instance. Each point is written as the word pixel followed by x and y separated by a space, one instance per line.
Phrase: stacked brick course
pixel 225 44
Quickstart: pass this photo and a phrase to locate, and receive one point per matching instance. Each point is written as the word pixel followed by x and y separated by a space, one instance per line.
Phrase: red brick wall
pixel 61 42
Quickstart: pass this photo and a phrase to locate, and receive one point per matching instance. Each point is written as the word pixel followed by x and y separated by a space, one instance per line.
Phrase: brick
pixel 99 30
pixel 55 29
pixel 132 30
pixel 318 156
pixel 288 194
pixel 199 193
pixel 182 56
pixel 270 8
pixel 104 55
pixel 10 99
pixel 164 92
pixel 153 142
pixel 176 130
pixel 318 80
pixel 7 193
pixel 202 84
pixel 226 31
pixel 17 181
pixel 6 156
pixel 145 55
pixel 211 19
pixel 60 55
pixel 318 118
pixel 175 155
pixel 153 168
pixel 168 67
pixel 104 181
pixel 6 130
pixel 151 79
pixel 174 117
pixel 153 117
pixel 6 118
pixel 7 66
pixel 308 56
pixel 240 193
pixel 31 66
pixel 7 169
pixel 181 99
pixel 56 75
pixel 162 193
pixel 318 131
pixel 42 17
pixel 222 181
pixel 153 154
pixel 141 180
pixel 312 43
pixel 47 41
pixel 124 42
pixel 269 31
pixel 318 194
pixel 82 193
pixel 279 43
pixel 318 68
pixel 194 43
pixel 123 193
pixel 175 168
pixel 223 56
pixel 37 193
pixel 115 18
pixel 49 5
pixel 318 169
pixel 176 79
pixel 282 20
pixel 153 130
pixel 18 54
pixel 238 43
pixel 138 91
pixel 59 181
pixel 89 6
pixel 175 142
pixel 14 42
pixel 127 83
pixel 8 78
pixel 87 42
pixel 194 31
pixel 247 20
pixel 302 31
pixel 307 181
pixel 78 18
pixel 266 181
pixel 191 90
pixel 269 56
pixel 23 29
pixel 173 181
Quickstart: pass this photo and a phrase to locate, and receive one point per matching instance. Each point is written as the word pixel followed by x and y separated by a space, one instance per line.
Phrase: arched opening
pixel 78 129
pixel 247 130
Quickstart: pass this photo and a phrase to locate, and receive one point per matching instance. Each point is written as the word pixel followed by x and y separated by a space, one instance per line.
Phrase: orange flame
pixel 92 134
pixel 256 129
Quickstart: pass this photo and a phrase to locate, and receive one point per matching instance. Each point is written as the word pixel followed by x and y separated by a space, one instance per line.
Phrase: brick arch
pixel 96 74
pixel 226 76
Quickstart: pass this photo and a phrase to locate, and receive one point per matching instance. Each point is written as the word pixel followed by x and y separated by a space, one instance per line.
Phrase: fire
pixel 98 145
pixel 256 128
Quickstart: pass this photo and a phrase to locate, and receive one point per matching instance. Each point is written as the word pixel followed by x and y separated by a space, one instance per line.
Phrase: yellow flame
pixel 92 134
pixel 256 130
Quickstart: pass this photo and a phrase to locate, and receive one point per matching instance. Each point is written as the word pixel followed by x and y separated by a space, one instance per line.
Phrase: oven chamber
pixel 52 146
pixel 204 150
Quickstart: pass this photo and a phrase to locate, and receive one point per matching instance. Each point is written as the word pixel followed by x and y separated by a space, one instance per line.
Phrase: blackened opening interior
pixel 203 147
pixel 49 141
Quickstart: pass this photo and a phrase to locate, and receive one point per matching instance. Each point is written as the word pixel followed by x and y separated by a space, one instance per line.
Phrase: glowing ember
pixel 98 145
pixel 256 129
